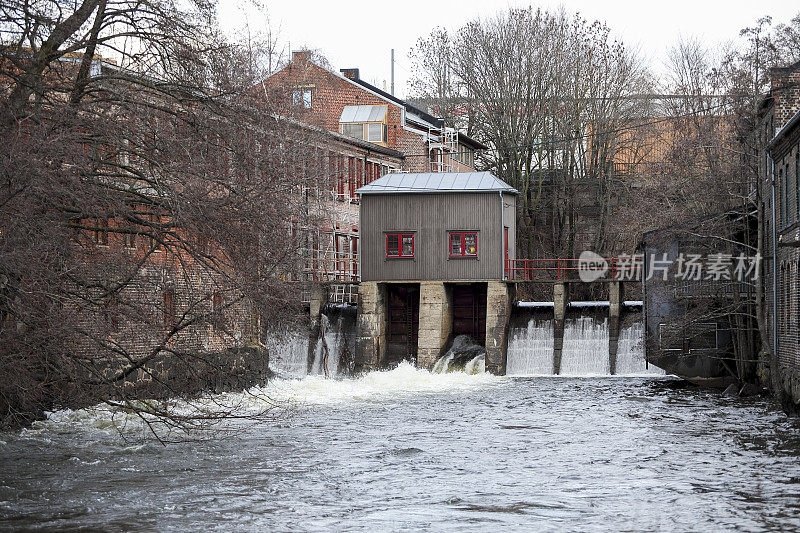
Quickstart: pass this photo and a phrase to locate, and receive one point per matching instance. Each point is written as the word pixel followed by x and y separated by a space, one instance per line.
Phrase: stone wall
pixel 371 326
pixel 435 322
pixel 499 301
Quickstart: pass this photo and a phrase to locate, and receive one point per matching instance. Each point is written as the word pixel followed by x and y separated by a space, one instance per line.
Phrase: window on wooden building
pixel 463 244
pixel 399 245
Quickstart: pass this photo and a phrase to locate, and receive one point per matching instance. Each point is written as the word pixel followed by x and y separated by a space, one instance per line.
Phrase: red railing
pixel 568 269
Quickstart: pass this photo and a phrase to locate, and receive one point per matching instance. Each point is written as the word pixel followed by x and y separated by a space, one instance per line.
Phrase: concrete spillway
pixel 585 342
pixel 530 348
pixel 296 354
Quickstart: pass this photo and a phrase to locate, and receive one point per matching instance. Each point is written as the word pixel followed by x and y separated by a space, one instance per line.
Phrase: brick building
pixel 344 103
pixel 330 245
pixel 779 180
pixel 369 134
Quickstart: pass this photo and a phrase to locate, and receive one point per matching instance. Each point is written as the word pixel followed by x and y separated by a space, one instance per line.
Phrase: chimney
pixel 350 73
pixel 786 93
pixel 299 55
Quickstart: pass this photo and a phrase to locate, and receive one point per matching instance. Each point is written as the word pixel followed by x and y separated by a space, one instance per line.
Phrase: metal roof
pixel 363 113
pixel 434 182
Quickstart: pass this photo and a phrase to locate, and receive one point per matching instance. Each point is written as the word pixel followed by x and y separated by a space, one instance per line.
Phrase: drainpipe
pixel 503 236
pixel 774 265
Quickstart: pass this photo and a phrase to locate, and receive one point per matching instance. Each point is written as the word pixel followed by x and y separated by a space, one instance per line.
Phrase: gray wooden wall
pixel 430 217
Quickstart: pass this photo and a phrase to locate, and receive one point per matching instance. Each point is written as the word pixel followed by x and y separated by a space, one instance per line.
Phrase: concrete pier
pixel 499 301
pixel 371 327
pixel 435 322
pixel 316 302
pixel 560 301
pixel 614 309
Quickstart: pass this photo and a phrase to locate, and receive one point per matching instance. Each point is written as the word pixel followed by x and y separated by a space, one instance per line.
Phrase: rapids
pixel 410 450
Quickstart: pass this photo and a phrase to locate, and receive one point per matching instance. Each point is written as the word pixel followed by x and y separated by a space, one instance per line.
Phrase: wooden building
pixel 434 247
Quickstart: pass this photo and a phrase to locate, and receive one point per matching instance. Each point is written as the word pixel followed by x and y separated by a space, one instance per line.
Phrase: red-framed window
pixel 399 245
pixel 463 244
pixel 169 308
pixel 216 310
pixel 351 177
pixel 354 250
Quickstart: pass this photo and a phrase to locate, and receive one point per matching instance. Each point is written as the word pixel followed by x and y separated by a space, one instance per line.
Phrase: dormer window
pixel 365 122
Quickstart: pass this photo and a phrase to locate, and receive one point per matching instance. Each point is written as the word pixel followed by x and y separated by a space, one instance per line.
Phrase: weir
pixel 586 341
pixel 526 338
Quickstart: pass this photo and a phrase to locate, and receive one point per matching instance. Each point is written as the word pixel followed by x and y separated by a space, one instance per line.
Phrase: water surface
pixel 407 450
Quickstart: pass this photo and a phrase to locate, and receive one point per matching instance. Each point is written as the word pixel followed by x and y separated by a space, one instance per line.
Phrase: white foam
pixel 401 381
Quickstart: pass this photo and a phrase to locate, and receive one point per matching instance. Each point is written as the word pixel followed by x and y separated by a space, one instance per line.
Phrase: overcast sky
pixel 362 33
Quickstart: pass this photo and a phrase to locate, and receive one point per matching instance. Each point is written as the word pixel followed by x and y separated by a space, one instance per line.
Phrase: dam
pixel 530 352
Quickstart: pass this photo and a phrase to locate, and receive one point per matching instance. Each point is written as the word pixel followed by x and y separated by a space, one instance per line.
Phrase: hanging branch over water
pixel 146 194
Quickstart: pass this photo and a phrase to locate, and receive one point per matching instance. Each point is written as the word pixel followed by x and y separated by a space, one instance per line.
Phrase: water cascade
pixel 464 355
pixel 586 341
pixel 331 355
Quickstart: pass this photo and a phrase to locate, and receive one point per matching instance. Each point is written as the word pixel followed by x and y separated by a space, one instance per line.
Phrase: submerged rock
pixel 464 355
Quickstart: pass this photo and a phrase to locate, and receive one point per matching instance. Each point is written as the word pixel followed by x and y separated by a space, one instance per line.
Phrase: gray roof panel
pixel 363 113
pixel 434 182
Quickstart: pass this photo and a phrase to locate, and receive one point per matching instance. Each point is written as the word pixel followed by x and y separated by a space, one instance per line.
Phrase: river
pixel 407 450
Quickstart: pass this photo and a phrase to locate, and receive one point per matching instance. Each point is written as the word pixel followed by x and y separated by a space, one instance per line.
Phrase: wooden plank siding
pixel 431 217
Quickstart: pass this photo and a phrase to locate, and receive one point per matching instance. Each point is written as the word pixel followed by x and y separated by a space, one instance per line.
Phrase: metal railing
pixel 559 269
pixel 342 266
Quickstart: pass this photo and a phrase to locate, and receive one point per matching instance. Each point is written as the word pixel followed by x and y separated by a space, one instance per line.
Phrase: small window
pixel 376 133
pixel 400 245
pixel 353 130
pixel 301 97
pixel 463 244
pixel 216 310
pixel 169 308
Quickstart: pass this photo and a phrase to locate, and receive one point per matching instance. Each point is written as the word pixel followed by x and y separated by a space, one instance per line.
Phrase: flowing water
pixel 409 450
pixel 585 348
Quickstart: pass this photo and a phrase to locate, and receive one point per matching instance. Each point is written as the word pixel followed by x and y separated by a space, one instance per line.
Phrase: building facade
pixel 369 133
pixel 779 164
pixel 435 246
pixel 344 103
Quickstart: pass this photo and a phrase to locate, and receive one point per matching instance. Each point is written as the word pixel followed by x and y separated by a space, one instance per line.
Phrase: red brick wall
pixel 331 93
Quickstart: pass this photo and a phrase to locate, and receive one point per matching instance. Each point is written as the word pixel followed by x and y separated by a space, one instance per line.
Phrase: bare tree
pixel 146 196
pixel 548 92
